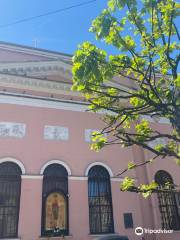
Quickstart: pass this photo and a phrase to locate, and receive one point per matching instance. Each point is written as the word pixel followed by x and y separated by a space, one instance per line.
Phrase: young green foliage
pixel 148 60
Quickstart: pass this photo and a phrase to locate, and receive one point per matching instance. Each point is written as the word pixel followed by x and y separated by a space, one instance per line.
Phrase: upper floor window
pixel 10 188
pixel 55 201
pixel 100 201
pixel 169 204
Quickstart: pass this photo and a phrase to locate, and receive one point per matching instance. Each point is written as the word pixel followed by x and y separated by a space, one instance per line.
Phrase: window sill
pixel 10 239
pixel 102 234
pixel 55 238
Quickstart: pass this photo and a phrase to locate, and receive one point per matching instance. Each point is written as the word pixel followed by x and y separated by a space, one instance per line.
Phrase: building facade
pixel 51 183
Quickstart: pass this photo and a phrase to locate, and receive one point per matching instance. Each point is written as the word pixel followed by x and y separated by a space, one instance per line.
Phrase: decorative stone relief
pixel 88 134
pixel 157 141
pixel 34 67
pixel 56 133
pixel 10 129
pixel 35 83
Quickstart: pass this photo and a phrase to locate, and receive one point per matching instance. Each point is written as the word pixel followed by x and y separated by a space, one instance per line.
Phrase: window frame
pixel 167 202
pixel 6 179
pixel 97 180
pixel 45 193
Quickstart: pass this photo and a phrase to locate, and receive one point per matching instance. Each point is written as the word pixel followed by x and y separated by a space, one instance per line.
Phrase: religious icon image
pixel 55 212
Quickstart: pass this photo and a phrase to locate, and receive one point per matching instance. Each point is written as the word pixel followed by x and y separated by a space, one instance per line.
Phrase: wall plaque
pixel 56 133
pixel 11 129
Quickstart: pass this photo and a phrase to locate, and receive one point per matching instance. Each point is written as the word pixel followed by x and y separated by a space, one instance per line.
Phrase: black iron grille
pixel 10 187
pixel 168 202
pixel 100 201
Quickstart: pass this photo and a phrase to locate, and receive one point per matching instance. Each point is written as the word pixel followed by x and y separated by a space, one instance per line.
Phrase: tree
pixel 148 58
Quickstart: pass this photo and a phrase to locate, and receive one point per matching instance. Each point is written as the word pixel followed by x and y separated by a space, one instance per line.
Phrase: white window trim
pixel 99 164
pixel 55 162
pixel 10 159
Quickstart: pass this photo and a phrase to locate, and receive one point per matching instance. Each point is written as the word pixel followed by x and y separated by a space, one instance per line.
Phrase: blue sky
pixel 60 32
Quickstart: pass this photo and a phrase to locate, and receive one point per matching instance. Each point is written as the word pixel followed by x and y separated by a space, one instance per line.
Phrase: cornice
pixel 43 102
pixel 35 51
pixel 36 67
pixel 34 84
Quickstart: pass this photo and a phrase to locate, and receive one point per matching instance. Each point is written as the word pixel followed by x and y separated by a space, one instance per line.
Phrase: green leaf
pixel 127 184
pixel 147 189
pixel 141 79
pixel 143 130
pixel 131 165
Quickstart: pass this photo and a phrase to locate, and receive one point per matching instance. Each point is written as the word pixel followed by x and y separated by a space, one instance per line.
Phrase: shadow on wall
pixel 112 237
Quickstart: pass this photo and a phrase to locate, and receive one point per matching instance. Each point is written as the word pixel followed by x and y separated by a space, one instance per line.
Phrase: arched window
pixel 168 202
pixel 55 201
pixel 10 188
pixel 100 201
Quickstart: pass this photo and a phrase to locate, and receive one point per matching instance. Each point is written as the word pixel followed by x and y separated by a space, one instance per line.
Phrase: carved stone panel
pixel 11 129
pixel 56 133
pixel 157 141
pixel 88 134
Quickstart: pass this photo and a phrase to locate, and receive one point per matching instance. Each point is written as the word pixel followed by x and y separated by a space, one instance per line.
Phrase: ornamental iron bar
pixel 10 189
pixel 168 204
pixel 100 201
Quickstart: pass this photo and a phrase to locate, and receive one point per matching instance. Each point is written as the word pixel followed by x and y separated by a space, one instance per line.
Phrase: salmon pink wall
pixel 30 209
pixel 34 152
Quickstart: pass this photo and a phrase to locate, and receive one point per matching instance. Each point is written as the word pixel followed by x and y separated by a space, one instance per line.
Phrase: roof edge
pixel 40 50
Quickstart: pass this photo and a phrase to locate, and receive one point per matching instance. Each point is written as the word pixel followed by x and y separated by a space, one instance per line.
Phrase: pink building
pixel 51 183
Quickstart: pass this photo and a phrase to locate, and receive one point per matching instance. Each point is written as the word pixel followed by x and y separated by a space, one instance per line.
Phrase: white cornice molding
pixel 34 84
pixel 44 103
pixel 36 67
pixel 80 178
pixel 116 179
pixel 71 178
pixel 32 177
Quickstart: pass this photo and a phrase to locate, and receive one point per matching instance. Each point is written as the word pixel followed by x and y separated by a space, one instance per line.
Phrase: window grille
pixel 100 201
pixel 168 205
pixel 10 188
pixel 55 201
pixel 128 220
